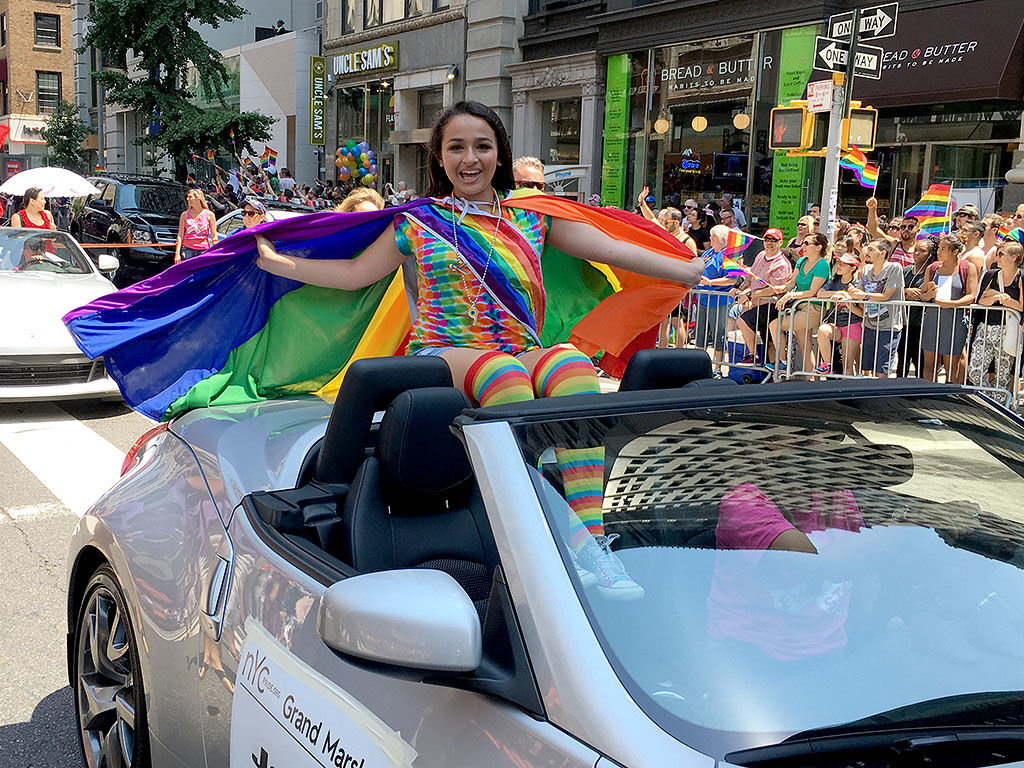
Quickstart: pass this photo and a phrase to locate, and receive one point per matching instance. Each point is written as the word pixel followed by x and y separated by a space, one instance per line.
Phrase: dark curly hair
pixel 438 183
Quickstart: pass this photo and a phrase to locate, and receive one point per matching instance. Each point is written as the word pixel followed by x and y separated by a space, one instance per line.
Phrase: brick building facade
pixel 35 72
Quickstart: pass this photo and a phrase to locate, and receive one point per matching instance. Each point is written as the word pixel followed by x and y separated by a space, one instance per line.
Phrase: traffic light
pixel 859 128
pixel 792 127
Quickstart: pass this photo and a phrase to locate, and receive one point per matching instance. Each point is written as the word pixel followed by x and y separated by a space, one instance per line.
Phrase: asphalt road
pixel 53 461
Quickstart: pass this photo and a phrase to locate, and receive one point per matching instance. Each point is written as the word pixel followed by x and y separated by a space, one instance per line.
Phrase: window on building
pixel 378 12
pixel 48 29
pixel 3 29
pixel 319 9
pixel 3 97
pixel 431 101
pixel 47 92
pixel 560 131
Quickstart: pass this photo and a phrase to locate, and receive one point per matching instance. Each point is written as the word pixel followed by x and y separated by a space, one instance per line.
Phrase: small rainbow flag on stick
pixel 735 244
pixel 932 211
pixel 1004 230
pixel 209 155
pixel 857 161
pixel 269 157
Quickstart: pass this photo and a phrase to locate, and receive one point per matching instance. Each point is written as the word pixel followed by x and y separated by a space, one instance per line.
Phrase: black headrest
pixel 421 461
pixel 369 386
pixel 665 369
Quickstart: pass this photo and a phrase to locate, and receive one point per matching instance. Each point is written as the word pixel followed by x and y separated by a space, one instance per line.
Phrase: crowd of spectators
pixel 876 299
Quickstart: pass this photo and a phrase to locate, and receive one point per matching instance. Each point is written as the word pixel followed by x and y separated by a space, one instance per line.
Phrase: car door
pixel 229 224
pixel 87 219
pixel 272 692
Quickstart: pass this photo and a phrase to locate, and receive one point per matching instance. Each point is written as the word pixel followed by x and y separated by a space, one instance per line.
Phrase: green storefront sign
pixel 616 129
pixel 797 55
pixel 317 101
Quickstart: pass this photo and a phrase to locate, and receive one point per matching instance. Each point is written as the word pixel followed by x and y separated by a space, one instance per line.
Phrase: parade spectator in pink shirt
pixel 769 272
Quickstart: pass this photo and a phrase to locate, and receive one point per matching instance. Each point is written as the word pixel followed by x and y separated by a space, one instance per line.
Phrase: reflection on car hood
pixel 34 303
pixel 158 220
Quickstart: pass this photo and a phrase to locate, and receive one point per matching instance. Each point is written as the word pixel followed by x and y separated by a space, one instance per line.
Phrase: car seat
pixel 414 503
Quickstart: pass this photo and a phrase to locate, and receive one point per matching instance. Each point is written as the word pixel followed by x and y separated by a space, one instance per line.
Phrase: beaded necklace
pixel 472 311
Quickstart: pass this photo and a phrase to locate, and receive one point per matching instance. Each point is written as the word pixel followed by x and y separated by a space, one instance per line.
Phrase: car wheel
pixel 109 699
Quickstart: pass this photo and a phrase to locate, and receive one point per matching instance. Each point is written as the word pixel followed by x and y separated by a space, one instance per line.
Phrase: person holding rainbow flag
pixel 497 290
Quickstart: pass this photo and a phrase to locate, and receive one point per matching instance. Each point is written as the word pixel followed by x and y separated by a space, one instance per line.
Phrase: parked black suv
pixel 133 209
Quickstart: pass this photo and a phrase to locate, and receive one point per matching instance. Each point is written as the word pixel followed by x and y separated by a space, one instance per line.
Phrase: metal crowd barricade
pixel 976 346
pixel 936 343
pixel 703 321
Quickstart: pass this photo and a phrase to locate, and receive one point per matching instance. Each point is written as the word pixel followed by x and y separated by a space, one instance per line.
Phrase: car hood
pixel 35 302
pixel 157 220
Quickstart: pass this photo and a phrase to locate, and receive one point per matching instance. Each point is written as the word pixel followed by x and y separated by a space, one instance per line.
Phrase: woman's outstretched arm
pixel 379 260
pixel 585 242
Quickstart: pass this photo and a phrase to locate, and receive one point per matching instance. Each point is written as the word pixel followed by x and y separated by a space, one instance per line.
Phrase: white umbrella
pixel 55 182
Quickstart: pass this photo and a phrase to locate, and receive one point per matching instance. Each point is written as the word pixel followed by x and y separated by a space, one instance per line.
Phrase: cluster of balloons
pixel 355 161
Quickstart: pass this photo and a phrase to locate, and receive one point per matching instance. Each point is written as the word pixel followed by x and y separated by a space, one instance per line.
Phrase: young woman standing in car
pixel 480 298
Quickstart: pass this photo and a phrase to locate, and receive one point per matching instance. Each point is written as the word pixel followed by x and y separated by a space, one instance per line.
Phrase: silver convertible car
pixel 831 575
pixel 44 275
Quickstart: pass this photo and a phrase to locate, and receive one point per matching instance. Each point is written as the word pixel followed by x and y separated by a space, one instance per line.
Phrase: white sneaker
pixel 612 580
pixel 587 579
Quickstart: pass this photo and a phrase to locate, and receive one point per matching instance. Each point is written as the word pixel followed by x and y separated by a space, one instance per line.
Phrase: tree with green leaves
pixel 64 133
pixel 163 43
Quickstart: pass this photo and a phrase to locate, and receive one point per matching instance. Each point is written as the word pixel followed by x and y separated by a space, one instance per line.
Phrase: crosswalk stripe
pixel 38 510
pixel 70 459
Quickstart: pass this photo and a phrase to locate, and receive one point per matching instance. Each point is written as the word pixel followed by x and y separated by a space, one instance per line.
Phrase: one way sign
pixel 875 22
pixel 831 56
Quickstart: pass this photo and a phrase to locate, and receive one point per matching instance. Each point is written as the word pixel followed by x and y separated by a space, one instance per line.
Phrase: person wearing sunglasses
pixel 901 234
pixel 253 212
pixel 528 172
pixel 965 215
pixel 990 241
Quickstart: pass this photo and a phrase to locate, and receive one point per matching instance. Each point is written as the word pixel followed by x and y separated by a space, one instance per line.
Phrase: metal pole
pixel 840 109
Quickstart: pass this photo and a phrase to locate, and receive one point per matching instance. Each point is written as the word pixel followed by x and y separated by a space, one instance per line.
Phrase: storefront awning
pixel 966 52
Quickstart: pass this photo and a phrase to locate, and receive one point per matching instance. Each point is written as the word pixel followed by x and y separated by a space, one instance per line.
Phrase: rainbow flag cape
pixel 216 329
pixel 269 157
pixel 932 211
pixel 857 161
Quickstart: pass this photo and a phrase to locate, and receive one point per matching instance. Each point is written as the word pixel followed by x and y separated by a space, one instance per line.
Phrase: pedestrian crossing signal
pixel 792 127
pixel 859 128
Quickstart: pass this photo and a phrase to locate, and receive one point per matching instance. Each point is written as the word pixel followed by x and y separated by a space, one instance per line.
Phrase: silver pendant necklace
pixel 473 312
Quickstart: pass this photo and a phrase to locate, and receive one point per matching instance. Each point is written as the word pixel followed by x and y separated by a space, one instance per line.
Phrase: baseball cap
pixel 256 203
pixel 849 258
pixel 970 210
pixel 776 233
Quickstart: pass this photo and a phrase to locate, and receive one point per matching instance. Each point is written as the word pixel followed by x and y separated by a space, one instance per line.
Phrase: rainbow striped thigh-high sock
pixel 497 378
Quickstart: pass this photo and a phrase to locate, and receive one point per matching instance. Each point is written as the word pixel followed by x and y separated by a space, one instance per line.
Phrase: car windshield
pixel 34 251
pixel 802 565
pixel 153 198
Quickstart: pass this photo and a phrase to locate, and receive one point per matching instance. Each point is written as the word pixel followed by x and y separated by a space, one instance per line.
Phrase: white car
pixel 230 223
pixel 44 275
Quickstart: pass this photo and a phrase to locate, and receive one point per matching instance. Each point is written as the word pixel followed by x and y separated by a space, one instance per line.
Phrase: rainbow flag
pixel 209 155
pixel 857 161
pixel 269 157
pixel 216 329
pixel 932 210
pixel 735 244
pixel 1004 230
pixel 231 135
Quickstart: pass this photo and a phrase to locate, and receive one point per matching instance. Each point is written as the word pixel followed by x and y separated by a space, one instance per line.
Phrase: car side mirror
pixel 107 263
pixel 418 618
pixel 99 202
